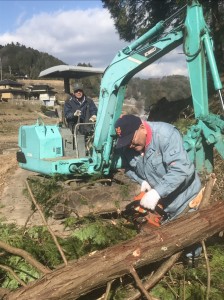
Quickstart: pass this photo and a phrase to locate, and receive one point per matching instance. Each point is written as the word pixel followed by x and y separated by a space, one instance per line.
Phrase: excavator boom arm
pixel 197 46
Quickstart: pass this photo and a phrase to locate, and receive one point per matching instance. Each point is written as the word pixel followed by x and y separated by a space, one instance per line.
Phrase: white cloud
pixel 83 36
pixel 73 36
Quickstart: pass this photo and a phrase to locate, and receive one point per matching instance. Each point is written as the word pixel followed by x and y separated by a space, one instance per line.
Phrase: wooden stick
pixel 158 275
pixel 208 271
pixel 45 223
pixel 170 287
pixel 28 218
pixel 108 289
pixel 8 269
pixel 139 283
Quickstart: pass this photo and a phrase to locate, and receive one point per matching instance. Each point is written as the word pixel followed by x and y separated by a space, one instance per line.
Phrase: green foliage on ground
pixel 99 234
pixel 43 190
pixel 191 283
pixel 93 233
pixel 90 234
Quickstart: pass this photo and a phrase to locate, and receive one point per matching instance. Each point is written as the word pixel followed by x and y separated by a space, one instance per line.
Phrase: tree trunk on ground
pixel 95 270
pixel 98 199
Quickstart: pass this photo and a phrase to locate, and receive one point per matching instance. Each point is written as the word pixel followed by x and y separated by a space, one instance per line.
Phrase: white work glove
pixel 145 187
pixel 93 118
pixel 77 113
pixel 150 199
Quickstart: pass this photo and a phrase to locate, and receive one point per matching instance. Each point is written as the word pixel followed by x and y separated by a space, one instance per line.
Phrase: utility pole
pixel 1 67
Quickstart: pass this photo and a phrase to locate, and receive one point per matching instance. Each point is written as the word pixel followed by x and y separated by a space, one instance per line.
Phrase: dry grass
pixel 218 190
pixel 13 115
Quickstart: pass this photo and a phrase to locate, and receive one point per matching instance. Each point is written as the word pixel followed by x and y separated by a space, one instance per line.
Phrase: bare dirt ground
pixel 15 206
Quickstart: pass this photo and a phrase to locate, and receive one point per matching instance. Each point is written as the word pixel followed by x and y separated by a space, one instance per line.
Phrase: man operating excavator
pixel 79 109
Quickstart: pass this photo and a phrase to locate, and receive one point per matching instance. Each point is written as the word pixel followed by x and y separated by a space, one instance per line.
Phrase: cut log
pixel 97 199
pixel 152 244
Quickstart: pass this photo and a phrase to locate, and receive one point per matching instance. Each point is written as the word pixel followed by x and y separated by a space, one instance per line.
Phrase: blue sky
pixel 74 31
pixel 19 11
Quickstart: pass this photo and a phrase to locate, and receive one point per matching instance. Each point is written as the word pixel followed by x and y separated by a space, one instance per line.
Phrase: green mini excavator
pixel 53 149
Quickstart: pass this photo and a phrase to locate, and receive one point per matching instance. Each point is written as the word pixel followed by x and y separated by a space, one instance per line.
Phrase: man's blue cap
pixel 125 128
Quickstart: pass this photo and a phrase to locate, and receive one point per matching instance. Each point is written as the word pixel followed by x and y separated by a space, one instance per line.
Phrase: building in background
pixel 43 93
pixel 11 90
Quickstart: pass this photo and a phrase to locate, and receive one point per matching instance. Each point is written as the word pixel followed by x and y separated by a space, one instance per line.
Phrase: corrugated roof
pixel 67 71
pixel 40 87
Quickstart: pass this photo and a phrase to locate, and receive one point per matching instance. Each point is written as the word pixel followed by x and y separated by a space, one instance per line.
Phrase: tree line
pixel 19 61
pixel 151 90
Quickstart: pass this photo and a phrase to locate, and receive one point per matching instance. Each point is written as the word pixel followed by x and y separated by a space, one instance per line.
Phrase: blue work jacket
pixel 87 107
pixel 166 167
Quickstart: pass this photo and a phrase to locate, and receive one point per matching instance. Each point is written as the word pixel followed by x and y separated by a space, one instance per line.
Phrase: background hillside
pixel 18 61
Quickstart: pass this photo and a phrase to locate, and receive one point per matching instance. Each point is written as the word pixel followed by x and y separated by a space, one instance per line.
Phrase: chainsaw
pixel 139 215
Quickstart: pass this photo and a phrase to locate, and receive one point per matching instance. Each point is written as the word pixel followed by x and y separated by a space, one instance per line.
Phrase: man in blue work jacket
pixel 80 109
pixel 156 159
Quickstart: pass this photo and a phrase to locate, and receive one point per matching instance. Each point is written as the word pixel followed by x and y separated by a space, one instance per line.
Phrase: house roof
pixel 38 87
pixel 10 82
pixel 12 91
pixel 68 71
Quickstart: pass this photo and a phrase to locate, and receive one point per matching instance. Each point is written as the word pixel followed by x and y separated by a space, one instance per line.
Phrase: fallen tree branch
pixel 46 224
pixel 158 275
pixel 28 219
pixel 8 269
pixel 29 258
pixel 139 283
pixel 153 244
pixel 105 297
